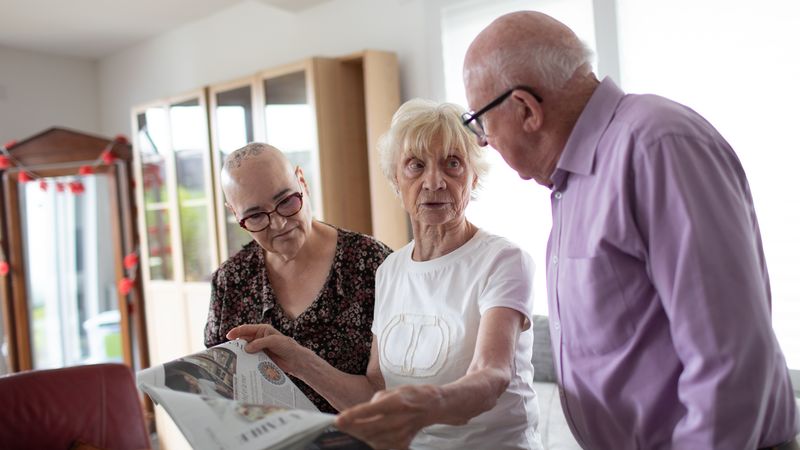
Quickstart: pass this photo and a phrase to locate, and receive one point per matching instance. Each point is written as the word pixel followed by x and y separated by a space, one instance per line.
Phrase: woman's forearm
pixel 342 390
pixel 471 395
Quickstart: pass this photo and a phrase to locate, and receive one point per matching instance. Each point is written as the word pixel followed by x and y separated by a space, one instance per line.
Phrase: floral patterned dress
pixel 336 326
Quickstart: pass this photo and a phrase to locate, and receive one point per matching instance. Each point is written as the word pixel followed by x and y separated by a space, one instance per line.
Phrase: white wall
pixel 39 91
pixel 252 36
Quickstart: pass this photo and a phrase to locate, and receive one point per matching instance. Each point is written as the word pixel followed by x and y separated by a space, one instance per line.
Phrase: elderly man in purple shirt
pixel 658 290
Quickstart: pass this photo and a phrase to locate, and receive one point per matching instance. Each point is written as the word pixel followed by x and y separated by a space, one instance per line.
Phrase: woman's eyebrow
pixel 259 208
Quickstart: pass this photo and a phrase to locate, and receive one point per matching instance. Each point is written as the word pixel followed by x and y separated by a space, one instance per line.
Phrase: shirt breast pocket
pixel 594 316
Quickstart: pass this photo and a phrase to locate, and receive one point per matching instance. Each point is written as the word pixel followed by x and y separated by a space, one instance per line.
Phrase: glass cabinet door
pixel 290 125
pixel 172 143
pixel 233 125
pixel 190 146
pixel 153 139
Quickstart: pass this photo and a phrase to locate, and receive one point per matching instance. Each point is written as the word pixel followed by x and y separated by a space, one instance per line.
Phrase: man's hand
pixel 392 418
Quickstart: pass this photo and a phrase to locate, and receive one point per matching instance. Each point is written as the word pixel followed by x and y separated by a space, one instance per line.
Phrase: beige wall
pixel 253 36
pixel 39 91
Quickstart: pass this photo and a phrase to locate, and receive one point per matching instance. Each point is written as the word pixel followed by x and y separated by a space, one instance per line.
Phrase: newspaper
pixel 226 398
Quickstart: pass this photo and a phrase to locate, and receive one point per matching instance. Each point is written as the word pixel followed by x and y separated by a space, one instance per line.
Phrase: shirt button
pixel 557 326
pixel 558 195
pixel 555 260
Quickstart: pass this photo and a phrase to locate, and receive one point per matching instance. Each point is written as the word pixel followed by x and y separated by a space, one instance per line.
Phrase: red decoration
pixel 76 187
pixel 5 163
pixel 24 177
pixel 10 144
pixel 120 139
pixel 108 157
pixel 43 185
pixel 86 170
pixel 60 187
pixel 125 285
pixel 131 260
pixel 4 268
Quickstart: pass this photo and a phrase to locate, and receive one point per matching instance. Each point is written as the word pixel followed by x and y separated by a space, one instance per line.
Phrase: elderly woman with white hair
pixel 450 364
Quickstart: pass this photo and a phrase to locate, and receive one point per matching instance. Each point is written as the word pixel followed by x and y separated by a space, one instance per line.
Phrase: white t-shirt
pixel 426 322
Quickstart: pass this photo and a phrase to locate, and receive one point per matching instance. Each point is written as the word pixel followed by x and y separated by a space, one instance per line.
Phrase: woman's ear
pixel 530 110
pixel 298 172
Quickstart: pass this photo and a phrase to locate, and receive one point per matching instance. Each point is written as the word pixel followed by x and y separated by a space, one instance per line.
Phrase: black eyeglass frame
pixel 474 116
pixel 299 195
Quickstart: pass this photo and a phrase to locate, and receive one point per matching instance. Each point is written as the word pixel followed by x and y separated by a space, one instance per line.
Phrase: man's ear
pixel 529 110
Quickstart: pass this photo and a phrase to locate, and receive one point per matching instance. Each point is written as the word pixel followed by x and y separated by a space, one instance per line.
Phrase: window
pixel 531 224
pixel 741 74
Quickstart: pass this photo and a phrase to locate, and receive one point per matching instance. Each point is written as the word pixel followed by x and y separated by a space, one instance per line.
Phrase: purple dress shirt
pixel 658 290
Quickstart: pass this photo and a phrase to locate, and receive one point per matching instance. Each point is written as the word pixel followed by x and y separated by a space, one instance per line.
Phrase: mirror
pixel 70 261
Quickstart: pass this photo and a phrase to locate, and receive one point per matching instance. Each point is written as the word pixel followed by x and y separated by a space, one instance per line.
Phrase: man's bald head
pixel 528 48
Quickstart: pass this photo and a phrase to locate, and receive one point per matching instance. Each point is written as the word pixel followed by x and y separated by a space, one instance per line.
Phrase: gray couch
pixel 553 426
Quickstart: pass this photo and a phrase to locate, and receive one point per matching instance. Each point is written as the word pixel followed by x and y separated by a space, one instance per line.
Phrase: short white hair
pixel 416 125
pixel 551 65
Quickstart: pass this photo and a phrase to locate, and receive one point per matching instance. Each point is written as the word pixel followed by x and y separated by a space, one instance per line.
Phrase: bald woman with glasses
pixel 310 280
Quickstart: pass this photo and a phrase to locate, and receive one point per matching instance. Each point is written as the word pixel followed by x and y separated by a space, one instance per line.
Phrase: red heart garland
pixel 125 285
pixel 131 260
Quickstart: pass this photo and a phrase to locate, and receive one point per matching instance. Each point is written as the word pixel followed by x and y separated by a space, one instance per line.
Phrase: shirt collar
pixel 579 152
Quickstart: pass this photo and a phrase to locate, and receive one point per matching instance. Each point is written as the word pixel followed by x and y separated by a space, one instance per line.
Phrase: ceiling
pixel 92 29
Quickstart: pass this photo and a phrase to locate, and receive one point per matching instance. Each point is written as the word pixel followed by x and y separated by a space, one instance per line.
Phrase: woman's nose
pixel 276 221
pixel 433 179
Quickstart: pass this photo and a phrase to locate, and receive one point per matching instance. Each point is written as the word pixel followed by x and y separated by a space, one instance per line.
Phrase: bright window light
pixel 503 190
pixel 734 62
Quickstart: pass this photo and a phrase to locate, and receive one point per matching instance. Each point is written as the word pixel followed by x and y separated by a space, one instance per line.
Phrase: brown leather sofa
pixel 55 409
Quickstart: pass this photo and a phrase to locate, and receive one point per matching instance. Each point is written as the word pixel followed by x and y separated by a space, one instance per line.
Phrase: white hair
pixel 416 125
pixel 551 63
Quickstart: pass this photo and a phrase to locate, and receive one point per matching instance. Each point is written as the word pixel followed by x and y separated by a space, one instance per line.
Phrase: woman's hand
pixel 392 418
pixel 285 351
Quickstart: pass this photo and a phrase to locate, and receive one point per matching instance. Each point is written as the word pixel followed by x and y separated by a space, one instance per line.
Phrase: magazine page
pixel 228 371
pixel 226 398
pixel 211 423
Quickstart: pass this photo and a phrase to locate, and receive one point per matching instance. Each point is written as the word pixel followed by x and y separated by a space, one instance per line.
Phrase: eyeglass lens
pixel 288 207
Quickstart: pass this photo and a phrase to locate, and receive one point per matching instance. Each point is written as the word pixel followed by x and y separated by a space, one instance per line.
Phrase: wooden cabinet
pixel 176 219
pixel 326 114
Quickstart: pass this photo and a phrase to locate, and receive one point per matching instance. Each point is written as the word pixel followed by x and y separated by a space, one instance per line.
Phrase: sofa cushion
pixel 543 366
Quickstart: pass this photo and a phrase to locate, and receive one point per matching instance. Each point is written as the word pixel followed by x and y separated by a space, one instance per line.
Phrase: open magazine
pixel 226 398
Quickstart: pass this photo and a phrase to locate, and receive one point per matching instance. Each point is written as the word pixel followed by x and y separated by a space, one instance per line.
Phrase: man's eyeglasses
pixel 259 221
pixel 472 119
